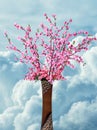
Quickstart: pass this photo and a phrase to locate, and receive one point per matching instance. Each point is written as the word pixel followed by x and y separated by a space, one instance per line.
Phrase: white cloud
pixel 34 126
pixel 10 73
pixel 7 118
pixel 27 95
pixel 30 115
pixel 8 65
pixel 87 73
pixel 23 90
pixel 20 98
pixel 80 116
pixel 25 112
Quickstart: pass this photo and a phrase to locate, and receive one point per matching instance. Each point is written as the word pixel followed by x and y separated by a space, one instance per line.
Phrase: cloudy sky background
pixel 74 100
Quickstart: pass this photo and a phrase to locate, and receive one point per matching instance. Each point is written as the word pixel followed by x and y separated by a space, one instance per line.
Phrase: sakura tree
pixel 47 53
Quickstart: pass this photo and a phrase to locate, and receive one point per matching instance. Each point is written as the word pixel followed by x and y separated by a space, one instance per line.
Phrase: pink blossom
pixel 70 20
pixel 57 50
pixel 45 14
pixel 28 28
pixel 54 15
pixel 17 26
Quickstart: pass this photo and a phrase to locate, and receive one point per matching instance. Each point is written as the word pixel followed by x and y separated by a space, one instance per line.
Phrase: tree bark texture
pixel 46 123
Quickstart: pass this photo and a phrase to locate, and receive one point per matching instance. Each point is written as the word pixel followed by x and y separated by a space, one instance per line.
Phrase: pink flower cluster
pixel 57 50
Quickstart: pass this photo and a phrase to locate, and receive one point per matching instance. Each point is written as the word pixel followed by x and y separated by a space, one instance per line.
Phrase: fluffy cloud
pixel 23 90
pixel 25 112
pixel 9 66
pixel 88 73
pixel 20 98
pixel 10 73
pixel 7 117
pixel 30 115
pixel 81 115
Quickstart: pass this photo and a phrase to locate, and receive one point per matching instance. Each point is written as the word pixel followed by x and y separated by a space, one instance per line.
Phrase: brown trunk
pixel 46 123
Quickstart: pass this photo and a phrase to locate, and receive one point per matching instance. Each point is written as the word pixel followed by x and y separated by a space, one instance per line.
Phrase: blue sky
pixel 74 100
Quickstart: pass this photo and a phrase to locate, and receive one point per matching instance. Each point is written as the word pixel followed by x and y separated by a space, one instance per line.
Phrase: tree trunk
pixel 46 123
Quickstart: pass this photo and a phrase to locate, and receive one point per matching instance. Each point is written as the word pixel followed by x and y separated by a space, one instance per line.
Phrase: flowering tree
pixel 47 53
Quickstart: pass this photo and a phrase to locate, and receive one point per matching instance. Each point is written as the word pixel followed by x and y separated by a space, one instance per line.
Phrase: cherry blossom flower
pixel 57 50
